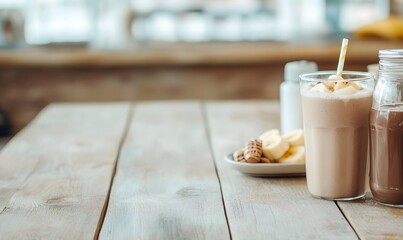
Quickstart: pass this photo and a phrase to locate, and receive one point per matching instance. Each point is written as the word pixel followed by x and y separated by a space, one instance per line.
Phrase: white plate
pixel 266 169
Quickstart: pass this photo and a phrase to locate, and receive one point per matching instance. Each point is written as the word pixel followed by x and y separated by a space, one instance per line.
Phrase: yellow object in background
pixel 390 28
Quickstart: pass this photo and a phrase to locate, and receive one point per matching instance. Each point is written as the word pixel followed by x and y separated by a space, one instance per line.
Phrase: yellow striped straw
pixel 342 58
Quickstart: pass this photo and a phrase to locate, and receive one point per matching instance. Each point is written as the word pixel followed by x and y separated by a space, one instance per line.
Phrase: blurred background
pixel 128 50
pixel 117 24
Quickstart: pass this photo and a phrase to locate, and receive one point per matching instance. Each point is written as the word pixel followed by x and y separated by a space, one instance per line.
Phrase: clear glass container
pixel 336 128
pixel 59 21
pixel 386 171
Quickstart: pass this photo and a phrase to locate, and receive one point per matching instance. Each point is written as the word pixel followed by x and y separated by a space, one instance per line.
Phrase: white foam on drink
pixel 335 95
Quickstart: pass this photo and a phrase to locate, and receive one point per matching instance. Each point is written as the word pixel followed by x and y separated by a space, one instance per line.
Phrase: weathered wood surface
pixel 372 220
pixel 266 208
pixel 55 174
pixel 165 185
pixel 58 179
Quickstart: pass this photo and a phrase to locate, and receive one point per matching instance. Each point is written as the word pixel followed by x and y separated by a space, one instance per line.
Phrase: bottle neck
pixel 391 69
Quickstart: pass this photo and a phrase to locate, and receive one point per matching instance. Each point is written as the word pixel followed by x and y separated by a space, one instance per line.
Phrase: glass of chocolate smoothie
pixel 336 123
pixel 386 172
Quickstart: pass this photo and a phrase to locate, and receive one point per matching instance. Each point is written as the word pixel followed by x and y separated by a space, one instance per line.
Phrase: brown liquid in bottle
pixel 386 171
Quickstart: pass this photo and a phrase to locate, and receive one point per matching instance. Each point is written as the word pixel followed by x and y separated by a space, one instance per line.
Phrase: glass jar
pixel 386 120
pixel 59 21
pixel 336 130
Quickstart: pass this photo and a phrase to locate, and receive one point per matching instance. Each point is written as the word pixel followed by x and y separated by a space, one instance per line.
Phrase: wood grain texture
pixel 55 174
pixel 266 208
pixel 196 54
pixel 165 185
pixel 24 92
pixel 372 220
pixel 32 78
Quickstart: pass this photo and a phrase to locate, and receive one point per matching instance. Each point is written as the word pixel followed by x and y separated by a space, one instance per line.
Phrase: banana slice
pixel 274 147
pixel 356 85
pixel 335 77
pixel 347 90
pixel 270 133
pixel 341 85
pixel 294 155
pixel 329 85
pixel 295 138
pixel 320 88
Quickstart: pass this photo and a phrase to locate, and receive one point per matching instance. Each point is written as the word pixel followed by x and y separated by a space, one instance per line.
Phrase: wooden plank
pixel 372 220
pixel 266 208
pixel 56 173
pixel 184 54
pixel 165 185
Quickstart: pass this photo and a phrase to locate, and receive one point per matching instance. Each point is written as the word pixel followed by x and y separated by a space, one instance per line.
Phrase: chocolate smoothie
pixel 386 174
pixel 336 139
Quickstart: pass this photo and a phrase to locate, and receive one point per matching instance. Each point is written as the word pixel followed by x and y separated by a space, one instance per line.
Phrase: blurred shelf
pixel 178 54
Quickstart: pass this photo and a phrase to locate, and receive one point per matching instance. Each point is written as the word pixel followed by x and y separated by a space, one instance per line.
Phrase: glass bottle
pixel 386 120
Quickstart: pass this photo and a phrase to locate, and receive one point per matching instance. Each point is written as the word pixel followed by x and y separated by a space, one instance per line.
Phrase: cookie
pixel 266 160
pixel 238 156
pixel 253 151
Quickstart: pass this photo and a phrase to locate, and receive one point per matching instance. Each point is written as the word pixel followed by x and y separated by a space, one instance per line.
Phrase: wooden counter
pixel 194 54
pixel 32 78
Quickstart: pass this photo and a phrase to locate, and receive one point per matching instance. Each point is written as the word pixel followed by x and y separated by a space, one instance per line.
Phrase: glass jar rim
pixel 315 76
pixel 391 54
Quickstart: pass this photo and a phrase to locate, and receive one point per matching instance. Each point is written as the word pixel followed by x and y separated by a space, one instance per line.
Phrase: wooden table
pixel 33 77
pixel 155 170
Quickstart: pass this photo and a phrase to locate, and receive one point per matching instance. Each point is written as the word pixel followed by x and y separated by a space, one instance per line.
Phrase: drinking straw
pixel 342 57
